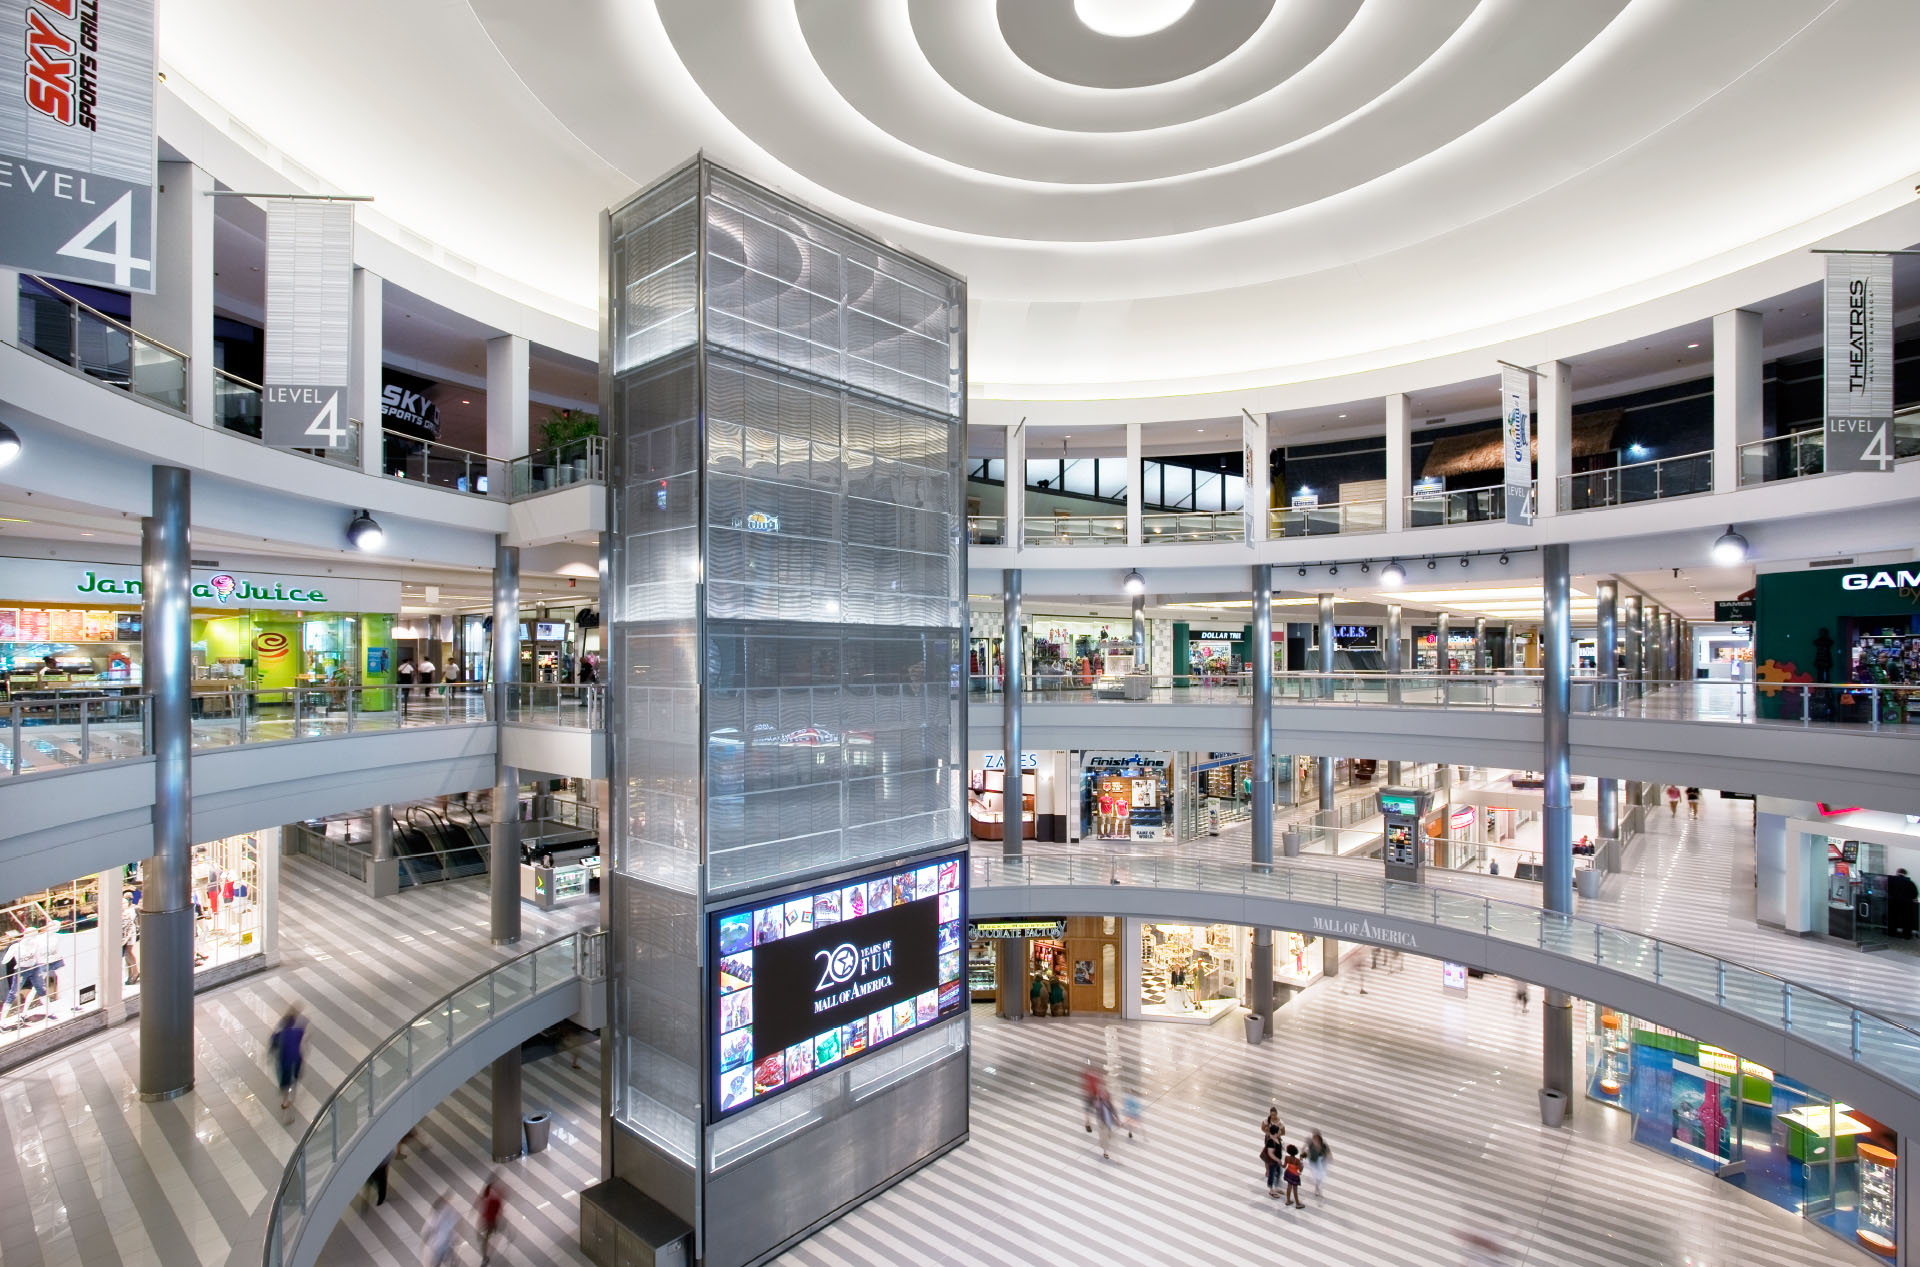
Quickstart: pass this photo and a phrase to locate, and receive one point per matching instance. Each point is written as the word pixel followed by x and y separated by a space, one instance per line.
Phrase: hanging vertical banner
pixel 309 325
pixel 77 156
pixel 1516 441
pixel 1258 471
pixel 1859 366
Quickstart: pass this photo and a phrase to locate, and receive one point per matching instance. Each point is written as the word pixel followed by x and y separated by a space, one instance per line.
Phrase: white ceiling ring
pixel 1126 19
pixel 1051 37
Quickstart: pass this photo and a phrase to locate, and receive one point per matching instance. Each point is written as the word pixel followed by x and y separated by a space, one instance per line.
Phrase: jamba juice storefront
pixel 1784 1142
pixel 72 629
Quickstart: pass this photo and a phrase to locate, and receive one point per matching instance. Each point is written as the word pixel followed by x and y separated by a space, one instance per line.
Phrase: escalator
pixel 457 850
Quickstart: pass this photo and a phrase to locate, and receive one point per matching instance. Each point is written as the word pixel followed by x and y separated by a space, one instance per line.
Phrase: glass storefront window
pixel 226 905
pixel 1784 1142
pixel 49 958
pixel 1190 970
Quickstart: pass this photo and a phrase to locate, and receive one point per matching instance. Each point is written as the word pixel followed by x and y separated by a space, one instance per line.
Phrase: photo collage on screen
pixel 747 1074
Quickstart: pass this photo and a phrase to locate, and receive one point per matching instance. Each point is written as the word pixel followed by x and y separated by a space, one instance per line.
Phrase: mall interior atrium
pixel 903 633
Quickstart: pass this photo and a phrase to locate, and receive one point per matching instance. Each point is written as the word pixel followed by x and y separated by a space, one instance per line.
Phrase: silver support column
pixel 1607 692
pixel 1325 764
pixel 166 880
pixel 1260 969
pixel 1011 958
pixel 1140 659
pixel 1556 889
pixel 1012 825
pixel 1636 644
pixel 1396 664
pixel 1442 631
pixel 383 872
pixel 1480 644
pixel 509 1139
pixel 503 869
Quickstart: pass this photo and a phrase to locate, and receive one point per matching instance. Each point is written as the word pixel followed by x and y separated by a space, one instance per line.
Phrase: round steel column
pixel 1556 889
pixel 503 867
pixel 1606 692
pixel 1012 821
pixel 166 881
pixel 1260 969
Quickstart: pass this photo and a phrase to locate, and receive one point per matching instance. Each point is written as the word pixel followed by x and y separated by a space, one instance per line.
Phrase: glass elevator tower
pixel 785 603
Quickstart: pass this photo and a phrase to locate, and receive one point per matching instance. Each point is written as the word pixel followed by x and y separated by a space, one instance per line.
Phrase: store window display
pixel 1127 797
pixel 50 959
pixel 1190 972
pixel 226 907
pixel 1788 1143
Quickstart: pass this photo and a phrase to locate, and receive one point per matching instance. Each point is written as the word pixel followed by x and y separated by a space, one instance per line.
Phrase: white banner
pixel 1516 441
pixel 1258 468
pixel 309 339
pixel 77 154
pixel 1859 364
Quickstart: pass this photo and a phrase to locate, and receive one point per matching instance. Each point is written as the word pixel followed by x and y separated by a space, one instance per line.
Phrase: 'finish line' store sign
pixel 73 584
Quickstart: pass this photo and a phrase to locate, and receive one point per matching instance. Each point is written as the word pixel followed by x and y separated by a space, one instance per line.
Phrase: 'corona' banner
pixel 77 155
pixel 309 348
pixel 1516 442
pixel 1859 368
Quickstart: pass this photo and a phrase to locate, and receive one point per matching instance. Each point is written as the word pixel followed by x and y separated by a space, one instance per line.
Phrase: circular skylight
pixel 1128 18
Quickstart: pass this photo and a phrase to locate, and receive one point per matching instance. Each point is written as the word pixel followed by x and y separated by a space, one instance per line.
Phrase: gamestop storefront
pixel 1847 625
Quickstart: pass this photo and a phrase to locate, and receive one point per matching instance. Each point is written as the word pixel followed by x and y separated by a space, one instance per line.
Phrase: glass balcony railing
pixel 55 324
pixel 1457 506
pixel 1329 520
pixel 1192 525
pixel 986 530
pixel 1060 529
pixel 579 461
pixel 1803 453
pixel 1679 476
pixel 443 466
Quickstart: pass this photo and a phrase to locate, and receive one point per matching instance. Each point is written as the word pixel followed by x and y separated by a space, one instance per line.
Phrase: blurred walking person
pixel 1318 1155
pixel 488 1212
pixel 436 1249
pixel 287 1046
pixel 1104 1113
pixel 1522 996
pixel 1135 1112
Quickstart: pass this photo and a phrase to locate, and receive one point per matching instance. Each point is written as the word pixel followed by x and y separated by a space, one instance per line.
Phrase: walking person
pixel 1522 996
pixel 129 933
pixel 1693 801
pixel 1104 1113
pixel 488 1212
pixel 1673 801
pixel 437 1236
pixel 1135 1113
pixel 1092 1087
pixel 289 1038
pixel 1272 1159
pixel 378 1179
pixel 1318 1154
pixel 1290 1170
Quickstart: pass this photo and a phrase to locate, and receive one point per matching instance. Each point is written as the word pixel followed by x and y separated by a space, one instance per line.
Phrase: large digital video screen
pixel 811 980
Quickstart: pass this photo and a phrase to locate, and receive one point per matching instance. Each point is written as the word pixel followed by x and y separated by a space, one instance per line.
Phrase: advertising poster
pixel 77 160
pixel 309 338
pixel 807 981
pixel 1516 441
pixel 1255 465
pixel 1859 363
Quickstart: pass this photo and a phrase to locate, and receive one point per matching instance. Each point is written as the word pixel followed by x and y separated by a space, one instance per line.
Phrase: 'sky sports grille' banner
pixel 76 140
pixel 309 325
pixel 1516 441
pixel 1859 367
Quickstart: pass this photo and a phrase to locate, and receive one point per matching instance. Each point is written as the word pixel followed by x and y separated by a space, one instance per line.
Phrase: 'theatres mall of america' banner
pixel 1859 368
pixel 76 140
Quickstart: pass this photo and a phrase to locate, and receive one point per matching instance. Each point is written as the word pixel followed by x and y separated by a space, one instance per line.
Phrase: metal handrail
pixel 296 1168
pixel 1612 478
pixel 231 377
pixel 115 322
pixel 1663 962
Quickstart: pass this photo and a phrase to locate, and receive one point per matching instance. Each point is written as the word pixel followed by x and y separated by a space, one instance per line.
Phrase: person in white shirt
pixel 30 958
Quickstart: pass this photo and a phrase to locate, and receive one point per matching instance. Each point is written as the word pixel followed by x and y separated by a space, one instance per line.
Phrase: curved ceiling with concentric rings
pixel 1237 193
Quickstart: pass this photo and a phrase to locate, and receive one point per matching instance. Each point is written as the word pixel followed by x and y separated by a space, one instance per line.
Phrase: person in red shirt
pixel 488 1213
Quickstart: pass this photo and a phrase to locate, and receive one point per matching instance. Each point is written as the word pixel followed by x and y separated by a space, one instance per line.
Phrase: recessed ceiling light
pixel 466 402
pixel 1693 345
pixel 1343 415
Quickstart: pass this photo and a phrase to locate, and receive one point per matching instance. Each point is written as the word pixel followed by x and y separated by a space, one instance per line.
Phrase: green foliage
pixel 564 426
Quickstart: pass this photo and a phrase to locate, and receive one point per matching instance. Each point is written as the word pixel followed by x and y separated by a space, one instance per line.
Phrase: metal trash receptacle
pixel 1256 1028
pixel 1587 880
pixel 537 1127
pixel 1553 1107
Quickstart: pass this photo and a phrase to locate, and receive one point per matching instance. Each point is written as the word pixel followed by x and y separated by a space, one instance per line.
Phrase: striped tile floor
pixel 88 1174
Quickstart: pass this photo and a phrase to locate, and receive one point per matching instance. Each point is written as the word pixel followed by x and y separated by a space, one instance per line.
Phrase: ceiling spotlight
pixel 1365 568
pixel 1303 570
pixel 1135 583
pixel 9 444
pixel 364 534
pixel 1393 574
pixel 1463 560
pixel 1333 570
pixel 1503 560
pixel 1432 564
pixel 1730 548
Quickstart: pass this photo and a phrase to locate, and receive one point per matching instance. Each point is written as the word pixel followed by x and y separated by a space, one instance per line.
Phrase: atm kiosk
pixel 1404 810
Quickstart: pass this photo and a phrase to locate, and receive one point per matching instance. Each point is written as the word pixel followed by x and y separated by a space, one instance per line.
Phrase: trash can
pixel 537 1125
pixel 1290 842
pixel 1587 880
pixel 1553 1107
pixel 1256 1028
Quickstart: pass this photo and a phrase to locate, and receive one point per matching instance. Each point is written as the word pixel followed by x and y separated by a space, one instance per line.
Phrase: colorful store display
pixel 1127 796
pixel 1837 625
pixel 1190 970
